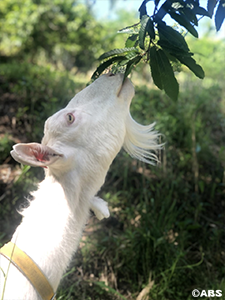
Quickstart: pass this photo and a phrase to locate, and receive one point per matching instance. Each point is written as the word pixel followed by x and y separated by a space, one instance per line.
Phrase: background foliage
pixel 165 236
pixel 162 46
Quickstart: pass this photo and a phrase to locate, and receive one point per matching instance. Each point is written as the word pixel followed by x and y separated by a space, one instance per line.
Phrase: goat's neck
pixel 53 223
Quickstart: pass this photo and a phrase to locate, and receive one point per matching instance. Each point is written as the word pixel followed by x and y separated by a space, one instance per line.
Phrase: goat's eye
pixel 70 118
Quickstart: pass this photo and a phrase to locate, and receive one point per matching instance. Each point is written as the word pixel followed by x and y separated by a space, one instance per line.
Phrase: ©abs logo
pixel 208 293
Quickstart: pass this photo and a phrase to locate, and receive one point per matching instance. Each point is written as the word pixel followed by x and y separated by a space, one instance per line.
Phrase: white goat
pixel 79 144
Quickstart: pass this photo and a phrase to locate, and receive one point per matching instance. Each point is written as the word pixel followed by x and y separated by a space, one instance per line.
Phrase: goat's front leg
pixel 99 207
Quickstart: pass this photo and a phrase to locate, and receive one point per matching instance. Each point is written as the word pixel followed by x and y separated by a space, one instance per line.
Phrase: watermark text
pixel 206 293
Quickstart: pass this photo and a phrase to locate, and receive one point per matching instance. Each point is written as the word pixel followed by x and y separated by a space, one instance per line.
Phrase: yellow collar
pixel 29 269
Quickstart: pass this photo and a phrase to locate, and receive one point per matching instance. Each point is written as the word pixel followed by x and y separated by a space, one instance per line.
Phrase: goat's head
pixel 92 128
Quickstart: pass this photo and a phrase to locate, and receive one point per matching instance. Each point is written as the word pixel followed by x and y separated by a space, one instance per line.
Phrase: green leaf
pixel 210 6
pixel 105 65
pixel 131 64
pixel 162 73
pixel 129 57
pixel 150 29
pixel 142 9
pixel 189 13
pixel 131 54
pixel 162 11
pixel 155 68
pixel 118 52
pixel 128 30
pixel 170 84
pixel 198 10
pixel 123 62
pixel 172 48
pixel 172 36
pixel 156 2
pixel 131 41
pixel 192 65
pixel 183 21
pixel 220 15
pixel 142 31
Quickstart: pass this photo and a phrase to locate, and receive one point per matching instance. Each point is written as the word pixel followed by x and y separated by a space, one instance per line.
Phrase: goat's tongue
pixel 34 154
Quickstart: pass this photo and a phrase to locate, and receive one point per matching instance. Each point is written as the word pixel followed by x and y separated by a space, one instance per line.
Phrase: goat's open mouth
pixel 34 154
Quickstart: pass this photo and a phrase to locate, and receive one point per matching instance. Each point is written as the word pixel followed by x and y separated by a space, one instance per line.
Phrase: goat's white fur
pixel 78 155
pixel 100 208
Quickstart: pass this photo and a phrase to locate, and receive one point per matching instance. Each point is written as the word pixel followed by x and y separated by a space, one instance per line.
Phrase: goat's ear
pixel 34 154
pixel 140 140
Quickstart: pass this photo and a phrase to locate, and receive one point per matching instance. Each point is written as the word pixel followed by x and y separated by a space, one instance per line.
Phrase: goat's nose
pixel 111 74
